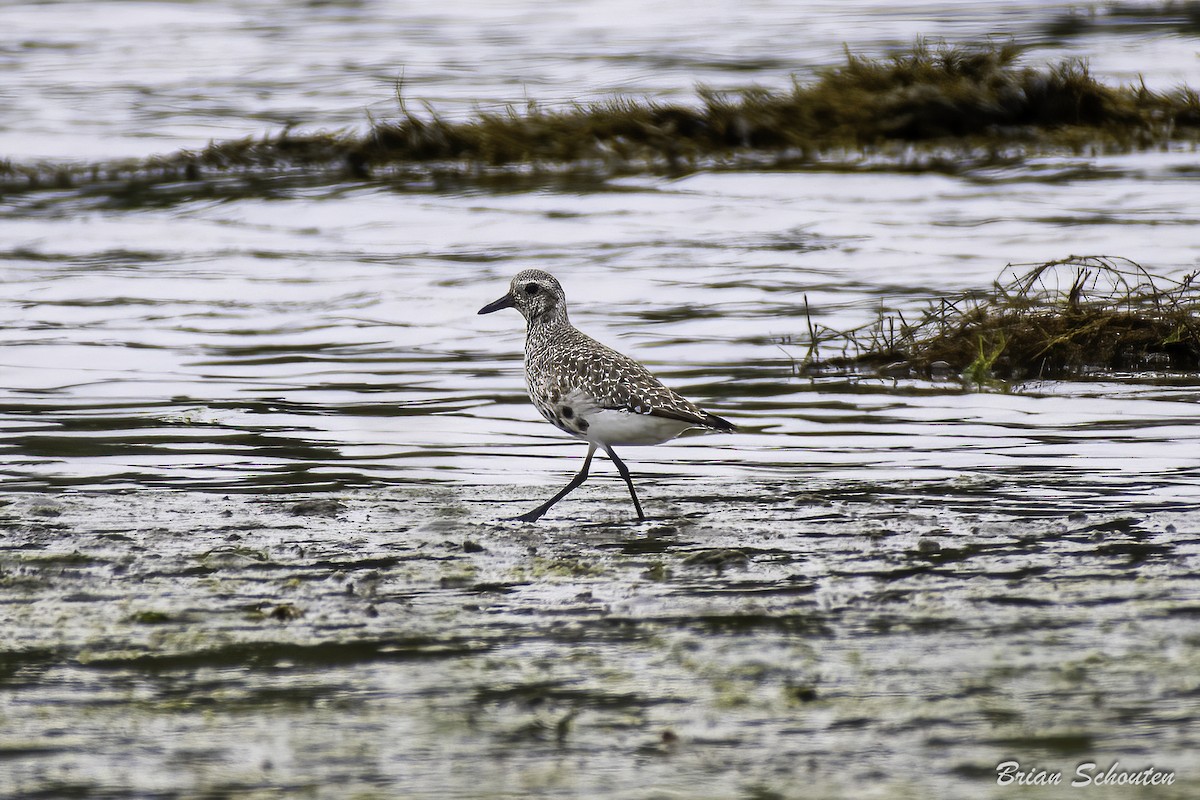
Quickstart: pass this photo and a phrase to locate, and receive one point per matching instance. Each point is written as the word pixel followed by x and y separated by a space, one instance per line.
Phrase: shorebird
pixel 589 390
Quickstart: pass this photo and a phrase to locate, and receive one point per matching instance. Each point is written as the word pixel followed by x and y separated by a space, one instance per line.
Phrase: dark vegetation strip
pixel 975 104
pixel 1180 16
pixel 1061 319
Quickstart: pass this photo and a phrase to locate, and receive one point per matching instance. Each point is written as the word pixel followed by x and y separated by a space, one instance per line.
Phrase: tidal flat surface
pixel 831 640
pixel 256 446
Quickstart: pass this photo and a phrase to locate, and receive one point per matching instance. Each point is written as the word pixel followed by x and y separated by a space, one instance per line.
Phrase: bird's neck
pixel 550 325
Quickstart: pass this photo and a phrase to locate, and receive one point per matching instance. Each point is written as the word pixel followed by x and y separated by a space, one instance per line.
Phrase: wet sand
pixel 837 640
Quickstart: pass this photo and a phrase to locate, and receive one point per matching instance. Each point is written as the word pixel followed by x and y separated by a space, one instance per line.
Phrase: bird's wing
pixel 639 392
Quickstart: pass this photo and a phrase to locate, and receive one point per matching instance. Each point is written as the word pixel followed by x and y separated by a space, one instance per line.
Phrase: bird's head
pixel 536 294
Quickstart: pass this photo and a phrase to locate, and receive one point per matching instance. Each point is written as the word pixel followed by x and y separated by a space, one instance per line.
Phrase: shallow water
pixel 328 338
pixel 256 444
pixel 124 78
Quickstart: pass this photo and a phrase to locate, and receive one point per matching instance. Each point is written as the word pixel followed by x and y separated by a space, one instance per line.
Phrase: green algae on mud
pixel 1064 318
pixel 926 108
pixel 820 642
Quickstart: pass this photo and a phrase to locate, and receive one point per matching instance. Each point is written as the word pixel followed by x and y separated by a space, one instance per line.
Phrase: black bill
pixel 503 302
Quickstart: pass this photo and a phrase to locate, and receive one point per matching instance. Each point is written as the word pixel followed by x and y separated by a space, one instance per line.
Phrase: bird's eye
pixel 532 288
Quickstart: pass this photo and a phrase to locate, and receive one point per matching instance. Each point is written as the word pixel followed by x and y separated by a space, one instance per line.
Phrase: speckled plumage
pixel 565 365
pixel 589 390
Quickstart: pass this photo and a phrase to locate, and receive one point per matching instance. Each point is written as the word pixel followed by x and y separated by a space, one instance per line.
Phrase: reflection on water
pixel 329 337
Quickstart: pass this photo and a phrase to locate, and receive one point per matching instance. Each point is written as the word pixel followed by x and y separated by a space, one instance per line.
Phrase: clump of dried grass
pixel 1064 318
pixel 977 94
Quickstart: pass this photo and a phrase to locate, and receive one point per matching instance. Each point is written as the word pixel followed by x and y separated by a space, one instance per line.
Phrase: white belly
pixel 610 427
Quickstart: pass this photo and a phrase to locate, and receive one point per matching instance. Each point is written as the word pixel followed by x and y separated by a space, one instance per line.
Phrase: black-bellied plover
pixel 588 390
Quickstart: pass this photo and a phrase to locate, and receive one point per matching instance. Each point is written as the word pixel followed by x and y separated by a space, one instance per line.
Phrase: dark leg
pixel 535 515
pixel 621 468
